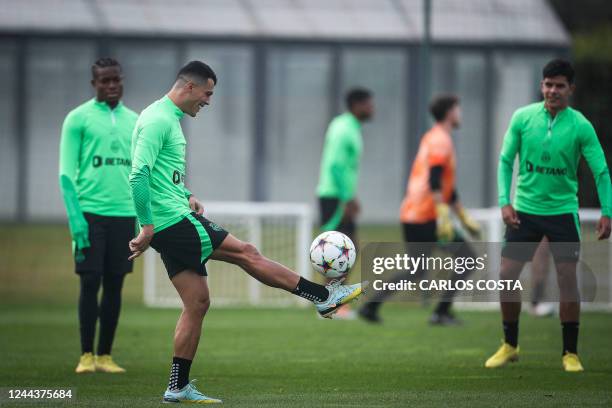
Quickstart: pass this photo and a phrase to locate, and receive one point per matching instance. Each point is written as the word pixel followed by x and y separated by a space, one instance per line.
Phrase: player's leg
pixel 193 291
pixel 569 305
pixel 90 271
pixel 564 236
pixel 539 274
pixel 424 236
pixel 569 313
pixel 442 314
pixel 510 300
pixel 327 299
pixel 331 213
pixel 88 317
pixel 348 227
pixel 110 308
pixel 569 302
pixel 510 303
pixel 519 248
pixel 521 244
pixel 184 247
pixel 334 218
pixel 268 272
pixel 119 232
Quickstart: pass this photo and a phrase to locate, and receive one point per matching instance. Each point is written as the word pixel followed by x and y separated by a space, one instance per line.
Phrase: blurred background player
pixel 430 195
pixel 93 177
pixel 339 171
pixel 172 223
pixel 549 138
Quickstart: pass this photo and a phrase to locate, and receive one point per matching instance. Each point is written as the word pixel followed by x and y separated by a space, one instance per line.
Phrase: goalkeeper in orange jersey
pixel 430 197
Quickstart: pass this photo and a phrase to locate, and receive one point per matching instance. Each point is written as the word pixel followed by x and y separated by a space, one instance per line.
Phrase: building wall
pixel 303 87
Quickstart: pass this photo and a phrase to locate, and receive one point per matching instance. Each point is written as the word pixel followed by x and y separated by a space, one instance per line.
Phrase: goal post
pixel 281 231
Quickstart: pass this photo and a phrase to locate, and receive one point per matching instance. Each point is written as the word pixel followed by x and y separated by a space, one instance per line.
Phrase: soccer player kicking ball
pixel 172 223
pixel 93 178
pixel 549 138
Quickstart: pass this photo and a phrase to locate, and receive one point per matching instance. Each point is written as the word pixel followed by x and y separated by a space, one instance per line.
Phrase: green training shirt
pixel 341 157
pixel 95 158
pixel 549 151
pixel 158 166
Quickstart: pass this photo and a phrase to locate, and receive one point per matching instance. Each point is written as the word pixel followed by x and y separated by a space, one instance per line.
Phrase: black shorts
pixel 109 250
pixel 328 207
pixel 564 229
pixel 188 244
pixel 426 233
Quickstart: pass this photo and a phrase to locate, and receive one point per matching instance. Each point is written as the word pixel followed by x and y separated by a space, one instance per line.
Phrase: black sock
pixel 372 306
pixel 88 310
pixel 311 291
pixel 110 306
pixel 570 337
pixel 179 374
pixel 511 333
pixel 443 308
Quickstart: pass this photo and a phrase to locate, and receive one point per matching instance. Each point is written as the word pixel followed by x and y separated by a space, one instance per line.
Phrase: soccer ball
pixel 332 254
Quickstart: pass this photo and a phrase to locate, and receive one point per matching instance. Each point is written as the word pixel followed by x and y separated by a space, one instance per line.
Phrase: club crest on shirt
pixel 545 156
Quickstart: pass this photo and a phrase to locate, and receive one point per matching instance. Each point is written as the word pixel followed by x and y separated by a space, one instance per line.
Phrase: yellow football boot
pixel 571 363
pixel 86 364
pixel 105 364
pixel 502 356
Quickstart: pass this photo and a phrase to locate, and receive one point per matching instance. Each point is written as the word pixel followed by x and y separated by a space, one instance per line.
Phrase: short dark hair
pixel 357 95
pixel 198 70
pixel 558 67
pixel 104 62
pixel 441 105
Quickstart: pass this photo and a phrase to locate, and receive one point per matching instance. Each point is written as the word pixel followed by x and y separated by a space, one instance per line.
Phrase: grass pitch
pixel 281 357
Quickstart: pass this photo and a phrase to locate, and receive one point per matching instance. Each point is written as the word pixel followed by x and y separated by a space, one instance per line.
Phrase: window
pixel 8 143
pixel 58 78
pixel 220 139
pixel 297 115
pixel 384 162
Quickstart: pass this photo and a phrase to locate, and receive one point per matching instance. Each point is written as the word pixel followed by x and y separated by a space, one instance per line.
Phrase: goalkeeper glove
pixel 468 222
pixel 444 225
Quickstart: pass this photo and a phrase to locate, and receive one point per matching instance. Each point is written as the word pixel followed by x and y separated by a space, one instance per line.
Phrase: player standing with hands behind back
pixel 549 138
pixel 93 177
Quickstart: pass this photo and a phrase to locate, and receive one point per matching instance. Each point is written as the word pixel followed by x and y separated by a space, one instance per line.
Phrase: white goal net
pixel 281 232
